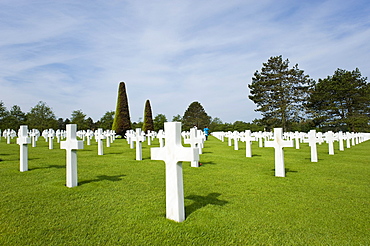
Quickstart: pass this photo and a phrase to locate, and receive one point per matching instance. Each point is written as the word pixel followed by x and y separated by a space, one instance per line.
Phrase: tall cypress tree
pixel 121 122
pixel 148 117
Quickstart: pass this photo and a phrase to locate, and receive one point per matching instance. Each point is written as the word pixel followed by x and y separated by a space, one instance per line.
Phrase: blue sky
pixel 73 54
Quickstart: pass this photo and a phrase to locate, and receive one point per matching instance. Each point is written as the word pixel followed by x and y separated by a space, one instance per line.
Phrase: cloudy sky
pixel 72 54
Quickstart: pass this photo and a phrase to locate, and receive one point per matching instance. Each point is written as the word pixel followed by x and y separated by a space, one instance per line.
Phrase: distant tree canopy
pixel 41 117
pixel 78 118
pixel 148 118
pixel 159 121
pixel 106 121
pixel 177 118
pixel 122 121
pixel 341 101
pixel 280 92
pixel 195 115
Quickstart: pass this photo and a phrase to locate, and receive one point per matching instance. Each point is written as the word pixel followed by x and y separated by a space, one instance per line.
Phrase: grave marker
pixel 23 140
pixel 248 143
pixel 279 144
pixel 173 153
pixel 71 145
pixel 99 136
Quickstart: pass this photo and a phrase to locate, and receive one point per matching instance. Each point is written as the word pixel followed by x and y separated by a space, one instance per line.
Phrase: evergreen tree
pixel 41 117
pixel 148 118
pixel 122 121
pixel 341 101
pixel 279 92
pixel 195 115
pixel 159 121
pixel 3 115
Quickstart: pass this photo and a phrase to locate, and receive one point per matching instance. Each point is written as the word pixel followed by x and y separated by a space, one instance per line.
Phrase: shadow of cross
pixel 103 177
pixel 202 201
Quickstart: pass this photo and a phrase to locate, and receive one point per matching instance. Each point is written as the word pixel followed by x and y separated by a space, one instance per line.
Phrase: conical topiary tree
pixel 195 115
pixel 148 117
pixel 121 122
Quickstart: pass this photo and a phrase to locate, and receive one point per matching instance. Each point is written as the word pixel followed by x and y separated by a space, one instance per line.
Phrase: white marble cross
pixel 99 136
pixel 248 143
pixel 236 137
pixel 71 145
pixel 23 140
pixel 194 140
pixel 348 140
pixel 51 135
pixel 161 136
pixel 279 144
pixel 138 138
pixel 296 137
pixel 173 153
pixel 329 138
pixel 341 139
pixel 34 136
pixel 312 140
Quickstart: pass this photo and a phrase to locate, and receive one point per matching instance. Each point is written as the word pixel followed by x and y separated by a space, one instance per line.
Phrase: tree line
pixel 288 98
pixel 285 97
pixel 42 117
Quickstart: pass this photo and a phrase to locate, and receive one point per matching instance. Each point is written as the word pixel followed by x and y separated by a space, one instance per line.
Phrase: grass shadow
pixel 208 162
pixel 202 201
pixel 207 152
pixel 99 178
pixel 287 170
pixel 255 155
pixel 50 166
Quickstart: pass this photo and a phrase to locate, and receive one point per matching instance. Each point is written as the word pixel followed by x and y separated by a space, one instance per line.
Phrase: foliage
pixel 279 92
pixel 14 118
pixel 177 118
pixel 78 118
pixel 121 122
pixel 41 117
pixel 195 115
pixel 106 121
pixel 229 200
pixel 341 101
pixel 148 118
pixel 159 121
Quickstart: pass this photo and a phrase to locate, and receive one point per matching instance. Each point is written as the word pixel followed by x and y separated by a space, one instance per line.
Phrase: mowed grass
pixel 229 200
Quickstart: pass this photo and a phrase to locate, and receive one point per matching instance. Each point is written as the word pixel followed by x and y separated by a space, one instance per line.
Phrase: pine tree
pixel 121 121
pixel 341 101
pixel 195 115
pixel 148 118
pixel 279 92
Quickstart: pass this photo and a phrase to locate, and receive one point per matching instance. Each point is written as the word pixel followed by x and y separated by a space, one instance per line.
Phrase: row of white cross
pixel 172 153
pixel 312 138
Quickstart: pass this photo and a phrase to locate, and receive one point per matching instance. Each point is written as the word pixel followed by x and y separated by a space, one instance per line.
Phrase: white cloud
pixel 72 55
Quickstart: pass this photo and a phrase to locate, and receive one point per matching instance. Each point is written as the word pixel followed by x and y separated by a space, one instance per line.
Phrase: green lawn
pixel 230 199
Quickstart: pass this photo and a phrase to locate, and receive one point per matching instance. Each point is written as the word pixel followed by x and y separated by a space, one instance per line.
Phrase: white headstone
pixel 296 137
pixel 23 140
pixel 71 145
pixel 51 135
pixel 99 136
pixel 329 138
pixel 139 138
pixel 248 143
pixel 279 144
pixel 194 140
pixel 173 153
pixel 312 140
